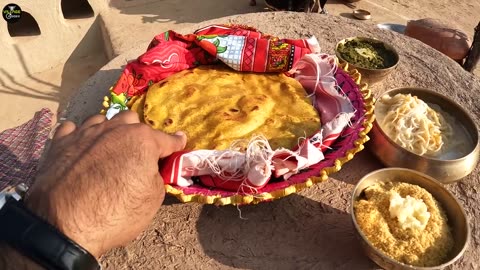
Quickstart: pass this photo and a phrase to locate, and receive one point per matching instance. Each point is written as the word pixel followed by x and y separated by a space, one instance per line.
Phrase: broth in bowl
pixel 422 128
pixel 427 132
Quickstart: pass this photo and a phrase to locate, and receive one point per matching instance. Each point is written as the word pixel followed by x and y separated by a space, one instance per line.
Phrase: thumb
pixel 167 144
pixel 66 128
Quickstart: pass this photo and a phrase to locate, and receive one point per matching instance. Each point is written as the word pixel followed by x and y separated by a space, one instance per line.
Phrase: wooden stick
pixel 474 53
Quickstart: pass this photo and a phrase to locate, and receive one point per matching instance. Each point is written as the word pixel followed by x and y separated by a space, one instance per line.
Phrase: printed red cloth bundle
pixel 240 47
pixel 243 49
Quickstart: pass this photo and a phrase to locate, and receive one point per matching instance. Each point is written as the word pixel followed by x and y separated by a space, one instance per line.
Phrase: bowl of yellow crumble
pixel 407 220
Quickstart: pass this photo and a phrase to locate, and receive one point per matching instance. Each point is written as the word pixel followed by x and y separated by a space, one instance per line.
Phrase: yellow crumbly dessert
pixel 421 239
pixel 215 106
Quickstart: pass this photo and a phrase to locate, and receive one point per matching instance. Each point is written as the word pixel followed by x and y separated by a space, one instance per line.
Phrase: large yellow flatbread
pixel 136 104
pixel 216 106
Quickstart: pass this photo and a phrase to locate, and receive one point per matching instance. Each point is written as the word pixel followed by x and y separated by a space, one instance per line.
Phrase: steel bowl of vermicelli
pixel 423 130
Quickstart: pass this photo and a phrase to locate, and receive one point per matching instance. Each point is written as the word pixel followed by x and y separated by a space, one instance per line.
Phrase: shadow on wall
pixel 87 58
pixel 10 85
pixel 27 26
pixel 186 11
pixel 76 9
pixel 351 4
pixel 292 233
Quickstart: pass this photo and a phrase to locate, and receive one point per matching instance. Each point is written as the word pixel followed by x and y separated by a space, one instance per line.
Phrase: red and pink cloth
pixel 243 49
pixel 240 47
pixel 249 171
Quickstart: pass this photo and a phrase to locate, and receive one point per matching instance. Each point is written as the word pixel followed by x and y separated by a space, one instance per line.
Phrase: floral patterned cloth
pixel 240 47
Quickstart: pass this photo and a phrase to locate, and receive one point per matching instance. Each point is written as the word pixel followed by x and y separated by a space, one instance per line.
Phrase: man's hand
pixel 99 183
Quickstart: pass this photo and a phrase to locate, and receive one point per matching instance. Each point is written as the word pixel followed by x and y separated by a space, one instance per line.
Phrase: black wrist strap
pixel 40 241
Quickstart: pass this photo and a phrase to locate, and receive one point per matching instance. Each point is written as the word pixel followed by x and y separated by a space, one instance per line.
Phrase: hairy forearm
pixel 10 259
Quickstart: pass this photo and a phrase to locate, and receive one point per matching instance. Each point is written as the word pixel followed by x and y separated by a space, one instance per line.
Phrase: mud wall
pixel 47 34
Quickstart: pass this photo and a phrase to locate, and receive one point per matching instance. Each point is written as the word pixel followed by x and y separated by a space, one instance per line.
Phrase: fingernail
pixel 180 133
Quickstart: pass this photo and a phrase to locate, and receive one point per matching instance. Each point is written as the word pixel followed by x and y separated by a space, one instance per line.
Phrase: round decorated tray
pixel 335 91
pixel 350 142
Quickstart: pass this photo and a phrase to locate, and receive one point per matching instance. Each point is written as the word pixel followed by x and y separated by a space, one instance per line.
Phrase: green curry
pixel 366 54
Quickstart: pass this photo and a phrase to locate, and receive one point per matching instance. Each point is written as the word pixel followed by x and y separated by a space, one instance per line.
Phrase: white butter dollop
pixel 410 212
pixel 365 52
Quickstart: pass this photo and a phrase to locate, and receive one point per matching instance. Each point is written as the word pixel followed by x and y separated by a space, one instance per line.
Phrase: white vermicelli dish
pixel 413 124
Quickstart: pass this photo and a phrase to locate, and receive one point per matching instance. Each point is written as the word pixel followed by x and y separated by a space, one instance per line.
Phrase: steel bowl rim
pixel 457 106
pixel 362 14
pixel 388 46
pixel 434 182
